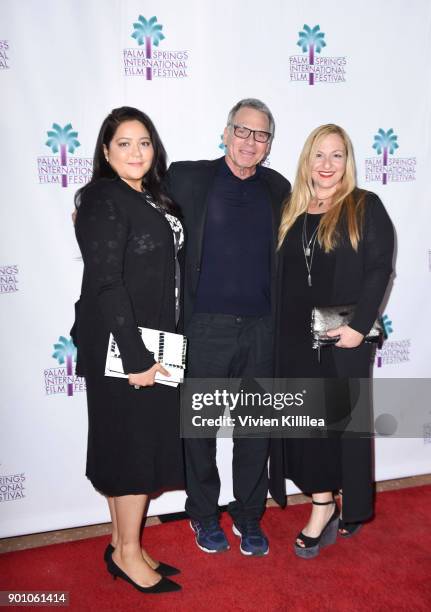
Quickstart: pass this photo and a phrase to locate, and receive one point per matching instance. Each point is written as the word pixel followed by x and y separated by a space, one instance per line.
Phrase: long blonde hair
pixel 345 200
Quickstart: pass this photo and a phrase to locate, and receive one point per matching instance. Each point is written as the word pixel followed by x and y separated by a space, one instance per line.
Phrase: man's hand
pixel 147 378
pixel 349 338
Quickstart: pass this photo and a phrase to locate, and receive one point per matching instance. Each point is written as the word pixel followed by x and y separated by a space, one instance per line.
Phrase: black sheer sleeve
pixel 101 231
pixel 378 245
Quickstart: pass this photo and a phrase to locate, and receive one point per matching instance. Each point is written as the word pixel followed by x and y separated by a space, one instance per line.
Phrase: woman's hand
pixel 349 338
pixel 146 379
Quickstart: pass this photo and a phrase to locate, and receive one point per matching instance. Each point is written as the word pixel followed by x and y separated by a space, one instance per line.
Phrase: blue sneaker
pixel 253 540
pixel 210 537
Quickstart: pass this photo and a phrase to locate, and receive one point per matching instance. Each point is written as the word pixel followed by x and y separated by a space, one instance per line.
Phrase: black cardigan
pixel 189 184
pixel 129 275
pixel 361 277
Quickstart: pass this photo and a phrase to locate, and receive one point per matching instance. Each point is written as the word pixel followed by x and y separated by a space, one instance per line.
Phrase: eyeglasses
pixel 242 132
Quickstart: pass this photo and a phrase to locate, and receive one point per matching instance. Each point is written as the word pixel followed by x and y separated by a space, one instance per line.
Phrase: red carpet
pixel 386 567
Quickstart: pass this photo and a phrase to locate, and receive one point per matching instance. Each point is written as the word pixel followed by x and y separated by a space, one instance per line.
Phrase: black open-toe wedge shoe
pixel 327 536
pixel 347 530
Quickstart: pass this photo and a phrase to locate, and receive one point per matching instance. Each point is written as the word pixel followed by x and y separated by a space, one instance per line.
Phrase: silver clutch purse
pixel 324 318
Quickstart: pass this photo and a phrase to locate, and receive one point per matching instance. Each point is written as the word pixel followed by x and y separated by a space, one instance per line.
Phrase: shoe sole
pixel 307 553
pixel 208 550
pixel 246 552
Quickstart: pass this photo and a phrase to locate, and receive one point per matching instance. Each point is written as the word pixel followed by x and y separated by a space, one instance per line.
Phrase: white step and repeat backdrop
pixel 65 63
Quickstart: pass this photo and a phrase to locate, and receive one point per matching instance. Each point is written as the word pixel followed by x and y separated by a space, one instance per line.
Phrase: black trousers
pixel 227 346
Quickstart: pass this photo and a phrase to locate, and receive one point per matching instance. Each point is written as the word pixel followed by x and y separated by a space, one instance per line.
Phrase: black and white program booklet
pixel 168 348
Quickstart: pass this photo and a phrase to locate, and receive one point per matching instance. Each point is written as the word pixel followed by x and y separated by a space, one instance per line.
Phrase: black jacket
pixel 189 184
pixel 129 275
pixel 362 276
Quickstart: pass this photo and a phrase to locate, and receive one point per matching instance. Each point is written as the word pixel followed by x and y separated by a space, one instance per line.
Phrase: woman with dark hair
pixel 131 242
pixel 335 249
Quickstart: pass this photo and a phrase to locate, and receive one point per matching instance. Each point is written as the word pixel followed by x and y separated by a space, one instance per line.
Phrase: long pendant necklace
pixel 308 246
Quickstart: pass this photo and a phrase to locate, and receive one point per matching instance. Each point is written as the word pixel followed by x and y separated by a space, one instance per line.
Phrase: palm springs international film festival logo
pixel 8 279
pixel 149 62
pixel 393 351
pixel 12 487
pixel 63 379
pixel 4 58
pixel 384 169
pixel 310 67
pixel 60 167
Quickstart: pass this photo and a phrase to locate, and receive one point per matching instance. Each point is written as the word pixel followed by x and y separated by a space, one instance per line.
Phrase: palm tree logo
pixel 63 139
pixel 150 33
pixel 65 351
pixel 311 40
pixel 387 330
pixel 386 142
pixel 222 145
pixel 387 325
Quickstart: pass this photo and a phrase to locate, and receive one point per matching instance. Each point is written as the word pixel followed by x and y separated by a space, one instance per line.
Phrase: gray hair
pixel 257 105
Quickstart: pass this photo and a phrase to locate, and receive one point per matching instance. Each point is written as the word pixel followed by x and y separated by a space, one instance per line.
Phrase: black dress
pixel 130 278
pixel 336 461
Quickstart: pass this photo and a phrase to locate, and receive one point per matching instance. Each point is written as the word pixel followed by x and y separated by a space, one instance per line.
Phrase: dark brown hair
pixel 153 180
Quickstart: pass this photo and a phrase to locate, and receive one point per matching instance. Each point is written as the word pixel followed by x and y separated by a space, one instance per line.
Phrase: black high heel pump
pixel 163 568
pixel 163 586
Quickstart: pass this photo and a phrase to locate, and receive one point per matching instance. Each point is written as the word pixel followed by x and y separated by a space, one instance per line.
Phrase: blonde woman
pixel 335 248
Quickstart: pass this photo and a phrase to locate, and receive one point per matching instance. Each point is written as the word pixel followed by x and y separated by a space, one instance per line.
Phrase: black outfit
pixel 129 279
pixel 340 277
pixel 222 214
